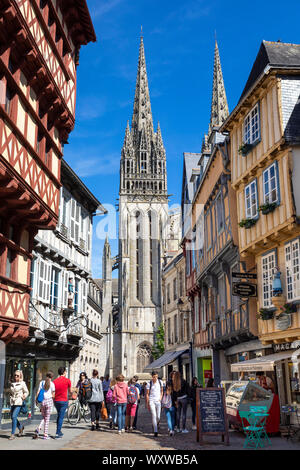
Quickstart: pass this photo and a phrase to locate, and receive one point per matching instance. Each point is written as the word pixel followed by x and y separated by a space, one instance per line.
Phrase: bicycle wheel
pixel 73 414
pixel 86 413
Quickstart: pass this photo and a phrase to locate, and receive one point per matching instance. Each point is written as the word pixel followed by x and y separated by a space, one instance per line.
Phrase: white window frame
pixel 268 265
pixel 249 212
pixel 196 314
pixel 75 216
pixel 45 272
pixel 271 180
pixel 292 264
pixel 251 126
pixel 52 283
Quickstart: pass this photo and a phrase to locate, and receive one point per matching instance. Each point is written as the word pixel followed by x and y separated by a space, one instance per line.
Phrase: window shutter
pixel 84 295
pixel 65 278
pixel 41 279
pixel 48 282
pixel 73 210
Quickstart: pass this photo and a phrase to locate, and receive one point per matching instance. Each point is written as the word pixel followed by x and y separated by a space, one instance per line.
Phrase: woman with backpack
pixel 112 404
pixel 18 393
pixel 44 398
pixel 96 400
pixel 120 393
pixel 132 402
pixel 168 404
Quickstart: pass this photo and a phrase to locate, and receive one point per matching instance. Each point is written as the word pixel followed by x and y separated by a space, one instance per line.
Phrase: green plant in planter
pixel 244 149
pixel 265 314
pixel 289 308
pixel 268 207
pixel 247 223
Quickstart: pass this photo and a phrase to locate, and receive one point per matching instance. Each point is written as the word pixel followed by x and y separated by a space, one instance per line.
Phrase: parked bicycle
pixel 76 412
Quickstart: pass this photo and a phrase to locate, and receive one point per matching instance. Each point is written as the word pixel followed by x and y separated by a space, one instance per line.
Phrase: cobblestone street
pixel 81 437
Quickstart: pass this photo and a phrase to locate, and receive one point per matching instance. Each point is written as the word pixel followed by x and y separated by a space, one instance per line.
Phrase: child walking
pixel 132 402
pixel 120 393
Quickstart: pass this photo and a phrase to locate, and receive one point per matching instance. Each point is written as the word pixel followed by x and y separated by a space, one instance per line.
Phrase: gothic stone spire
pixel 219 106
pixel 142 115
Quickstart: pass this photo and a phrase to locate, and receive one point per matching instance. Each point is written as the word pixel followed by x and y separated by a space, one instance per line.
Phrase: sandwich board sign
pixel 211 414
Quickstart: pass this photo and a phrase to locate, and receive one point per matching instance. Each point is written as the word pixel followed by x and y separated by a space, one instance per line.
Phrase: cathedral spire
pixel 142 115
pixel 219 106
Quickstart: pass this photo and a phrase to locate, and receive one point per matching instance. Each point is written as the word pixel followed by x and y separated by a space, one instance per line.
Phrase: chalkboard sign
pixel 211 413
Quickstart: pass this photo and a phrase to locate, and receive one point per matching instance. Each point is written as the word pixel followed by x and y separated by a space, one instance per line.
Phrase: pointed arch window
pixel 144 357
pixel 143 162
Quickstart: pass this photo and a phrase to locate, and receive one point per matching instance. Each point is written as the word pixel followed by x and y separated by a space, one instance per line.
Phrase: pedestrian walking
pixel 139 386
pixel 210 383
pixel 181 393
pixel 193 390
pixel 18 393
pixel 168 404
pixel 81 386
pixel 106 385
pixel 112 403
pixel 120 393
pixel 132 403
pixel 44 399
pixel 154 394
pixel 62 390
pixel 96 400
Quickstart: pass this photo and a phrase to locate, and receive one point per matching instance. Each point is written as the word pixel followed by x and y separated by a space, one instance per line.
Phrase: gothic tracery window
pixel 144 357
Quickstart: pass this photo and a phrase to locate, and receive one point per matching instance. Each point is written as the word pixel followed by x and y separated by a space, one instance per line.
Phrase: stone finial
pixel 219 105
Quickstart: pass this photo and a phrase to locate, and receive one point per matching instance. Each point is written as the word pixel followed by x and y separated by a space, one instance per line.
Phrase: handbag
pixel 104 414
pixel 24 409
pixel 41 395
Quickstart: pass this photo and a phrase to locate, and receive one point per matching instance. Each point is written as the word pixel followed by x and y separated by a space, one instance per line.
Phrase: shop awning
pixel 165 359
pixel 263 363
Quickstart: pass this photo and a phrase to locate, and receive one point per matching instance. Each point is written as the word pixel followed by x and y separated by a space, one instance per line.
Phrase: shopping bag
pixel 104 414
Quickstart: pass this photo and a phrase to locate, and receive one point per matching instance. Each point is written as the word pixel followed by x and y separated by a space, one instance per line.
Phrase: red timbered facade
pixel 39 51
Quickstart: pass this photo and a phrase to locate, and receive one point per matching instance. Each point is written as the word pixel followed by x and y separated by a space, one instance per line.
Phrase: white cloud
pixel 104 7
pixel 86 166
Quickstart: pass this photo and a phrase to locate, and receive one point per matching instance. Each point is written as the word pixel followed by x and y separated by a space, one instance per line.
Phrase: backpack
pixel 109 396
pixel 87 390
pixel 132 395
pixel 166 401
pixel 40 397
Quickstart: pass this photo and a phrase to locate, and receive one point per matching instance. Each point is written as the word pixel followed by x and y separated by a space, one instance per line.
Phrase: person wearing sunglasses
pixel 18 393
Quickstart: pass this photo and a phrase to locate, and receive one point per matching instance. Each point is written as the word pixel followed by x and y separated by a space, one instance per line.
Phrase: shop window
pixel 271 184
pixel 251 200
pixel 268 271
pixel 252 126
pixel 292 270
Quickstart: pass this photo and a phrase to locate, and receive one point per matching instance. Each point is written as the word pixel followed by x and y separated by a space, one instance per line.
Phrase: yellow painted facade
pixel 267 240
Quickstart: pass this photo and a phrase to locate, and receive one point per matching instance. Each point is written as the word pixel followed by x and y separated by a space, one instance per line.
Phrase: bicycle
pixel 76 411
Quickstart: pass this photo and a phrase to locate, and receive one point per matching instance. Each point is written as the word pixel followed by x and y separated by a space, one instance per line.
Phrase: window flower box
pixel 289 308
pixel 268 207
pixel 244 149
pixel 265 314
pixel 247 223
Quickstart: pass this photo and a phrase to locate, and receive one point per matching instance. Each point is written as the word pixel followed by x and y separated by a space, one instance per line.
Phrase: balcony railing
pixel 229 324
pixel 64 230
pixel 75 327
pixel 33 317
pixel 54 318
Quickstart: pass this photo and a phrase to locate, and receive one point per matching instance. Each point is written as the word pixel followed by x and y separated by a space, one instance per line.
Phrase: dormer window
pixel 251 131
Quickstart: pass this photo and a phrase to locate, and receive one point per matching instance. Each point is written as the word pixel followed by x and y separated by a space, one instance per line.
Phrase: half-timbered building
pixel 39 52
pixel 264 132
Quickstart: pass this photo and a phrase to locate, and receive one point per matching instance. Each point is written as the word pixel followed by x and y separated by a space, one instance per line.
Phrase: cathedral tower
pixel 143 219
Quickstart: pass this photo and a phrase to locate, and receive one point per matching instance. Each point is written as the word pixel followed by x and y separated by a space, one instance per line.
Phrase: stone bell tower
pixel 143 219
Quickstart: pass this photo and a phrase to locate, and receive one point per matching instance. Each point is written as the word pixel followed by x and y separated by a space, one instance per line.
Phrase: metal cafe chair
pixel 261 413
pixel 251 430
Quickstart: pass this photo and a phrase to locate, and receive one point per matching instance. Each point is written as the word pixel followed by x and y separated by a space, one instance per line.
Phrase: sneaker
pixel 93 427
pixel 175 428
pixel 21 432
pixel 123 430
pixel 36 434
pixel 12 437
pixel 57 436
pixel 172 433
pixel 120 432
pixel 60 434
pixel 111 425
pixel 130 429
pixel 155 434
pixel 46 438
pixel 178 430
pixel 194 428
pixel 184 431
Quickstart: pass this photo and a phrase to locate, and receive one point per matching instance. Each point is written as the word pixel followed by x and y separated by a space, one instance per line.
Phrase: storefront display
pixel 204 371
pixel 241 395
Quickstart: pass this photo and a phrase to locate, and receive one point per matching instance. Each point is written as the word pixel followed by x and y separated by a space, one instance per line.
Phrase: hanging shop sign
pixel 244 289
pixel 244 275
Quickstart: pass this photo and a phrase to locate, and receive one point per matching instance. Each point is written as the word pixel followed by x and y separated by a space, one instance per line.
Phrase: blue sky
pixel 179 47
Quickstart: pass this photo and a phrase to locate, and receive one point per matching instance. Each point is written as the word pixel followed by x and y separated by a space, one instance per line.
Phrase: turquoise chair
pixel 261 421
pixel 252 431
